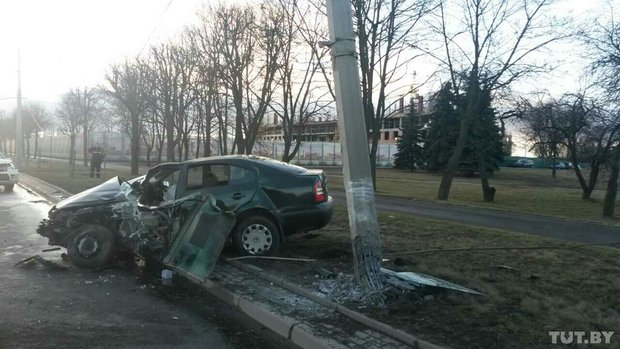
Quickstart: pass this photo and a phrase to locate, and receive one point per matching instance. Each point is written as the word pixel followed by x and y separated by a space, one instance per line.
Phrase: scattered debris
pixel 51 249
pixel 42 261
pixel 416 280
pixel 325 273
pixel 310 260
pixel 166 274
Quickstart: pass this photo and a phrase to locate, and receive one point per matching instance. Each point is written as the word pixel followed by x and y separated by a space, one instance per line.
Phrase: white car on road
pixel 9 175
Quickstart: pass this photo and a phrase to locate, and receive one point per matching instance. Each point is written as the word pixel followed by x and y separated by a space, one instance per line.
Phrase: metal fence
pixel 117 147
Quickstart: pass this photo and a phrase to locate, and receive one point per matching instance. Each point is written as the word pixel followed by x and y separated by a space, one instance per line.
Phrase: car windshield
pixel 2 156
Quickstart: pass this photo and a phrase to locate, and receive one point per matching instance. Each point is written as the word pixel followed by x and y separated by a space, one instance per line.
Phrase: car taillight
pixel 319 195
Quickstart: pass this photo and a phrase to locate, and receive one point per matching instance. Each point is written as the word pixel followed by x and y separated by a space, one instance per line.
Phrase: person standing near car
pixel 96 158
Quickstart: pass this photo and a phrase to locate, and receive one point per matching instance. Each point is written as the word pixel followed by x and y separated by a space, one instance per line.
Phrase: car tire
pixel 256 236
pixel 92 246
pixel 8 187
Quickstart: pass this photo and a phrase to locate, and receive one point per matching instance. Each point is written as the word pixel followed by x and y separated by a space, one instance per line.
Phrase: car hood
pixel 105 192
pixel 5 161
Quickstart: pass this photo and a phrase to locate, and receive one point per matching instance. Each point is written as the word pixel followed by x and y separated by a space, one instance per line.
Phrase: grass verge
pixel 527 292
pixel 57 172
pixel 519 190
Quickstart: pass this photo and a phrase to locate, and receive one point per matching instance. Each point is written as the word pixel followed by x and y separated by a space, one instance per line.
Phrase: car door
pixel 232 185
pixel 196 248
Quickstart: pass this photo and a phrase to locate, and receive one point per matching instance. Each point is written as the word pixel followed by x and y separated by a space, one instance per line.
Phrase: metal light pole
pixel 18 122
pixel 355 156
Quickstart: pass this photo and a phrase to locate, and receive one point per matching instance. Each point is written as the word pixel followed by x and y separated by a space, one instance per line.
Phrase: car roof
pixel 245 159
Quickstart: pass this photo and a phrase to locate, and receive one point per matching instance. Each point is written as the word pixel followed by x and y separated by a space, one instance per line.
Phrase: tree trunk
pixel 373 158
pixel 553 169
pixel 36 144
pixel 582 182
pixel 160 151
pixel 85 147
pixel 609 204
pixel 72 156
pixel 453 163
pixel 135 143
pixel 596 167
pixel 488 192
pixel 148 156
pixel 169 139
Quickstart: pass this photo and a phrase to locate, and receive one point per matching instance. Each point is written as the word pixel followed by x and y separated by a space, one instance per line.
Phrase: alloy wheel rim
pixel 88 246
pixel 256 238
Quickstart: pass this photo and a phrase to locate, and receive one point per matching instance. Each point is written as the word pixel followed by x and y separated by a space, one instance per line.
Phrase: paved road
pixel 73 308
pixel 522 223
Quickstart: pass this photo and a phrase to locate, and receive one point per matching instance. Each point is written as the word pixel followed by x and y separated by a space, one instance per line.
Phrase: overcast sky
pixel 70 43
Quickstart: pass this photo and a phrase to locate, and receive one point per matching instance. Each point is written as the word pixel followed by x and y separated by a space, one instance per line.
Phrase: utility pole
pixel 355 155
pixel 18 122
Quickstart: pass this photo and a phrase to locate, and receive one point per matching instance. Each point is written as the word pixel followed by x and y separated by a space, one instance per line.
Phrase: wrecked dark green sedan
pixel 268 199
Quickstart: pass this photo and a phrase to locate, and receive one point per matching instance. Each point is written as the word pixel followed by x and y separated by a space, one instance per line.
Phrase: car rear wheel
pixel 92 246
pixel 8 187
pixel 256 236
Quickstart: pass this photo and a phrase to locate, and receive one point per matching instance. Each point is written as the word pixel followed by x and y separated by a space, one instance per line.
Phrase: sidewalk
pixel 300 315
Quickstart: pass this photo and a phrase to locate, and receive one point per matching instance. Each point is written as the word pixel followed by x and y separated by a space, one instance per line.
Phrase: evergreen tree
pixel 484 141
pixel 410 150
pixel 442 130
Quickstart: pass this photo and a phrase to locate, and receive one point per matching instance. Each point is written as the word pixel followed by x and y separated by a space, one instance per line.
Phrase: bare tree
pixel 304 92
pixel 387 32
pixel 70 120
pixel 603 37
pixel 87 100
pixel 589 133
pixel 485 51
pixel 540 127
pixel 130 84
pixel 7 125
pixel 35 118
pixel 248 48
pixel 172 70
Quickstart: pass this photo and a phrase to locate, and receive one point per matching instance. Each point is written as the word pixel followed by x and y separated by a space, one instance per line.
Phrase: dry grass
pixel 556 289
pixel 57 173
pixel 520 190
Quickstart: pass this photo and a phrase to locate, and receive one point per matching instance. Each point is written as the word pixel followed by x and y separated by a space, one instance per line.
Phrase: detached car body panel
pixel 268 200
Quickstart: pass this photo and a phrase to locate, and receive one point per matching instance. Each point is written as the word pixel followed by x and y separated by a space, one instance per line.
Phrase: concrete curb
pixel 386 329
pixel 32 186
pixel 297 332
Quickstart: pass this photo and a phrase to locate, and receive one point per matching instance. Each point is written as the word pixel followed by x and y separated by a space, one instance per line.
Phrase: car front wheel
pixel 256 236
pixel 92 246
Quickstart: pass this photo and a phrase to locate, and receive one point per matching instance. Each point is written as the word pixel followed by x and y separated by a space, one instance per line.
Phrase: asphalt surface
pixel 44 307
pixel 575 231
